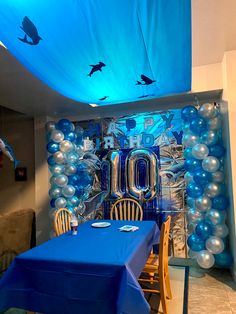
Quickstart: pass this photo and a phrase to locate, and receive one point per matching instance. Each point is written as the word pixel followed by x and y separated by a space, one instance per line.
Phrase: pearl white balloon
pixel 66 146
pixel 209 137
pixel 215 245
pixel 216 216
pixel 221 230
pixel 194 215
pixel 50 126
pixel 68 191
pixel 191 227
pixel 72 157
pixel 190 139
pixel 61 180
pixel 59 157
pixel 55 192
pixel 210 164
pixel 205 259
pixel 188 177
pixel 217 177
pixel 60 202
pixel 57 136
pixel 203 203
pixel 200 151
pixel 207 111
pixel 212 189
pixel 214 123
pixel 70 169
pixel 57 169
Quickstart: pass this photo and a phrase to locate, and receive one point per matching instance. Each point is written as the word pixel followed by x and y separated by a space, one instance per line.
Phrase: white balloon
pixel 207 110
pixel 210 164
pixel 212 189
pixel 203 203
pixel 66 146
pixel 57 136
pixel 61 180
pixel 200 151
pixel 205 259
pixel 220 231
pixel 68 191
pixel 59 157
pixel 215 245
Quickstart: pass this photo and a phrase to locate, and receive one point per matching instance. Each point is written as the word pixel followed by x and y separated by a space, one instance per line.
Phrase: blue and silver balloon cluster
pixel 205 189
pixel 72 168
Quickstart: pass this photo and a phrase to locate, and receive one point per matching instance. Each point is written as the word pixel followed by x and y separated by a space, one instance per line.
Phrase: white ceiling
pixel 213 32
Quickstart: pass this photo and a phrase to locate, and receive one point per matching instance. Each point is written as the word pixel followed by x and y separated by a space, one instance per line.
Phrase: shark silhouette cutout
pixel 31 31
pixel 96 67
pixel 103 98
pixel 145 80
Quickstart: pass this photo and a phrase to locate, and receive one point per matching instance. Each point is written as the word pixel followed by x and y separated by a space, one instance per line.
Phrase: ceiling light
pixel 93 105
pixel 1 44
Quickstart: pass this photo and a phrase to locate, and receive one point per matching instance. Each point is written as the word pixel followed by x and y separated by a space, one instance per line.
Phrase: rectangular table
pixel 93 272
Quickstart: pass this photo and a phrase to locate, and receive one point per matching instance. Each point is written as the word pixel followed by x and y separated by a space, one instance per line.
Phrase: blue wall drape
pixel 143 46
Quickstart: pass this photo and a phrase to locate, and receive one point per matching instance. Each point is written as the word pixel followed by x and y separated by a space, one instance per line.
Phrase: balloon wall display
pixel 204 178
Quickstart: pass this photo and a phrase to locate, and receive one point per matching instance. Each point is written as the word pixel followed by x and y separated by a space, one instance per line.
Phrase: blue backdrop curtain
pixel 102 51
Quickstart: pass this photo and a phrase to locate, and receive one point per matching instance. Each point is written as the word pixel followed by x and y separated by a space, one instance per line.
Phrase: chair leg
pixel 163 295
pixel 168 288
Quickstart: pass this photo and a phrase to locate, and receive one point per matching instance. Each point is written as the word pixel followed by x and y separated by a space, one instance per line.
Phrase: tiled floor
pixel 215 292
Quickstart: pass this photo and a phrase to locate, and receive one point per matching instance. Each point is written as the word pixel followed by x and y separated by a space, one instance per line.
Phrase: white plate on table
pixel 103 224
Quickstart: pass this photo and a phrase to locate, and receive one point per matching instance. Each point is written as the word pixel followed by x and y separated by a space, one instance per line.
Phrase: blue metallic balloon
pixel 51 161
pixel 71 136
pixel 217 151
pixel 224 259
pixel 65 125
pixel 210 137
pixel 198 125
pixel 189 113
pixel 52 202
pixel 202 177
pixel 52 147
pixel 220 202
pixel 192 165
pixel 195 243
pixel 194 190
pixel 203 229
pixel 73 179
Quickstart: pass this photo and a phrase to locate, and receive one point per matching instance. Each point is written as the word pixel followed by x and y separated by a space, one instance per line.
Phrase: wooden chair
pixel 62 221
pixel 6 259
pixel 126 209
pixel 156 268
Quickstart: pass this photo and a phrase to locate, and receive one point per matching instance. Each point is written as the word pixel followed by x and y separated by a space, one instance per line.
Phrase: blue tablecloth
pixel 93 272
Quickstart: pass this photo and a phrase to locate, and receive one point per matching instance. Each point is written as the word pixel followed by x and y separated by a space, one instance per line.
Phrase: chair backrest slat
pixel 164 245
pixel 62 221
pixel 126 209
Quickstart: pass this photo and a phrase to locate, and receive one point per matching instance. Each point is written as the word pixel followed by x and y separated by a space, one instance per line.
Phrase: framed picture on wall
pixel 21 174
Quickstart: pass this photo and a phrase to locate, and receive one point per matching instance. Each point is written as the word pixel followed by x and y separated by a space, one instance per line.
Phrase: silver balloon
pixel 114 170
pixel 191 227
pixel 72 158
pixel 68 190
pixel 55 192
pixel 216 216
pixel 214 123
pixel 57 136
pixel 215 245
pixel 209 137
pixel 188 177
pixel 61 180
pixel 217 177
pixel 59 157
pixel 66 146
pixel 203 203
pixel 210 164
pixel 70 169
pixel 212 189
pixel 52 180
pixel 200 151
pixel 205 259
pixel 207 110
pixel 50 126
pixel 134 189
pixel 221 230
pixel 190 202
pixel 192 254
pixel 190 139
pixel 60 202
pixel 57 169
pixel 194 216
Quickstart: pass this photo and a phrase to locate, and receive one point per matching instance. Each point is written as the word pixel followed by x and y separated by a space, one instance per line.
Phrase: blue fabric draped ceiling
pixel 102 51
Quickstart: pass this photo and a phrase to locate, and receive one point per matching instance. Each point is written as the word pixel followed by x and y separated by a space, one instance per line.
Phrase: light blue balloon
pixel 72 158
pixel 210 137
pixel 73 201
pixel 57 169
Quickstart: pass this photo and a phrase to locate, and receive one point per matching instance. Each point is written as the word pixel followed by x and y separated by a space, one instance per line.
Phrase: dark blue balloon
pixel 71 136
pixel 203 230
pixel 195 243
pixel 194 190
pixel 198 125
pixel 51 161
pixel 217 151
pixel 224 259
pixel 74 179
pixel 52 147
pixel 65 125
pixel 202 177
pixel 52 202
pixel 189 113
pixel 192 165
pixel 220 202
pixel 79 140
pixel 85 180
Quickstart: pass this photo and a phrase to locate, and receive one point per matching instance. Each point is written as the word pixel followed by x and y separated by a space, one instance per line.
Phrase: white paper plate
pixel 103 224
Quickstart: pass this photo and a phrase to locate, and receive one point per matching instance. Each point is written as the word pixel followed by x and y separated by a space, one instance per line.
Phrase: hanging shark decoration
pixel 31 31
pixel 145 80
pixel 7 150
pixel 97 67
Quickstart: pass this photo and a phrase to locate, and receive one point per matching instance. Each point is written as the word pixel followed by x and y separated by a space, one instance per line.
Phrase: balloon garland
pixel 72 166
pixel 204 177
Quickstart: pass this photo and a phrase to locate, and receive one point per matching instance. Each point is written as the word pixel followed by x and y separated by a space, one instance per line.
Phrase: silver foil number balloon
pixel 148 191
pixel 115 179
